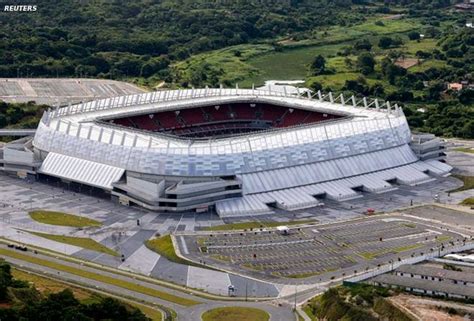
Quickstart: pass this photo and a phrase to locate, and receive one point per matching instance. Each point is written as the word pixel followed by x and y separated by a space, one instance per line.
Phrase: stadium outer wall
pixel 289 168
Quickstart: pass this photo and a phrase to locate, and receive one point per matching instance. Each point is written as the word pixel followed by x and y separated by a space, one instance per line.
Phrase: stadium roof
pixel 81 120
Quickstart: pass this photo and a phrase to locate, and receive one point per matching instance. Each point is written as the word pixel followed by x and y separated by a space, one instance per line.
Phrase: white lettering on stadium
pixel 20 8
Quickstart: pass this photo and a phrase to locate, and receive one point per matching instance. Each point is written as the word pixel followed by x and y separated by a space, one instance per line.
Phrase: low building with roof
pixel 424 287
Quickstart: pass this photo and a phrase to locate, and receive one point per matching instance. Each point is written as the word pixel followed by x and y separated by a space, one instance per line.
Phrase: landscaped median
pixel 63 219
pixel 468 183
pixel 164 246
pixel 465 150
pixel 160 282
pixel 234 314
pixel 468 201
pixel 84 242
pixel 256 225
pixel 100 278
pixel 374 255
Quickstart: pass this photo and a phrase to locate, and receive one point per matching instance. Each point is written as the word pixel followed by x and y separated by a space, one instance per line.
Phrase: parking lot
pixel 318 251
pixel 52 91
pixel 463 218
pixel 340 244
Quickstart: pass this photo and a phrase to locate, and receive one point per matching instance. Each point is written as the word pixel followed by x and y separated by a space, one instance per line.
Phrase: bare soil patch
pixel 426 309
pixel 407 62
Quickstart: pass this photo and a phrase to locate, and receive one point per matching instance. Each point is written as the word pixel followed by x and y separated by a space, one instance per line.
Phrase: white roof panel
pixel 81 170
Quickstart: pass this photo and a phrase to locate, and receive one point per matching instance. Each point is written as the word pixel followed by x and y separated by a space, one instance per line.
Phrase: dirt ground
pixel 426 309
pixel 407 62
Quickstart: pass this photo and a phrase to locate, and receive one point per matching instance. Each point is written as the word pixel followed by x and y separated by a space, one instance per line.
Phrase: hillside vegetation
pixel 139 38
pixel 354 303
pixel 403 51
pixel 408 59
pixel 19 300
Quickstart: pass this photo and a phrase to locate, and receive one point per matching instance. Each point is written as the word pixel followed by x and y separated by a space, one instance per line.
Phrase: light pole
pixel 296 293
pixel 246 293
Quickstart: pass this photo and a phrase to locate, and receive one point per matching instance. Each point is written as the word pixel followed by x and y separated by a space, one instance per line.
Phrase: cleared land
pixel 85 243
pixel 100 278
pixel 234 314
pixel 407 62
pixel 432 309
pixel 292 63
pixel 229 63
pixel 253 64
pixel 63 219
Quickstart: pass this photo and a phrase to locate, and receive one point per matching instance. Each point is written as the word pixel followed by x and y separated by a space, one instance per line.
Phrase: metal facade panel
pixel 368 130
pixel 81 171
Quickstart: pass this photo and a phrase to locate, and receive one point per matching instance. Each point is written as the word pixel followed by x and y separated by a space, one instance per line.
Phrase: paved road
pixel 277 313
pixel 17 132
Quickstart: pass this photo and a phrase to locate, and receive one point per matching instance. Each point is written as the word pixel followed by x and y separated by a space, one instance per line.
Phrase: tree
pixel 423 54
pixel 434 90
pixel 318 66
pixel 363 44
pixel 359 86
pixel 397 41
pixel 377 90
pixel 5 279
pixel 366 63
pixel 466 96
pixel 454 53
pixel 391 71
pixel 385 42
pixel 315 86
pixel 467 131
pixel 348 62
pixel 400 95
pixel 413 35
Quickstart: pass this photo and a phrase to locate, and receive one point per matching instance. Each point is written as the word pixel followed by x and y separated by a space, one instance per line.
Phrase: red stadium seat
pixel 228 119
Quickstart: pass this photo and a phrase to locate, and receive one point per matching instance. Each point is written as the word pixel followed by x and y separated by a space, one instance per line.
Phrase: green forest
pixel 404 51
pixel 140 38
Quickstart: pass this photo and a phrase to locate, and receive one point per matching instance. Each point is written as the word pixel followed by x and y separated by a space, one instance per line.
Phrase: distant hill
pixel 138 38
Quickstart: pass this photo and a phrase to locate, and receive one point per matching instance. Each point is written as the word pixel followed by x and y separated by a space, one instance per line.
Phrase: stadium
pixel 236 151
